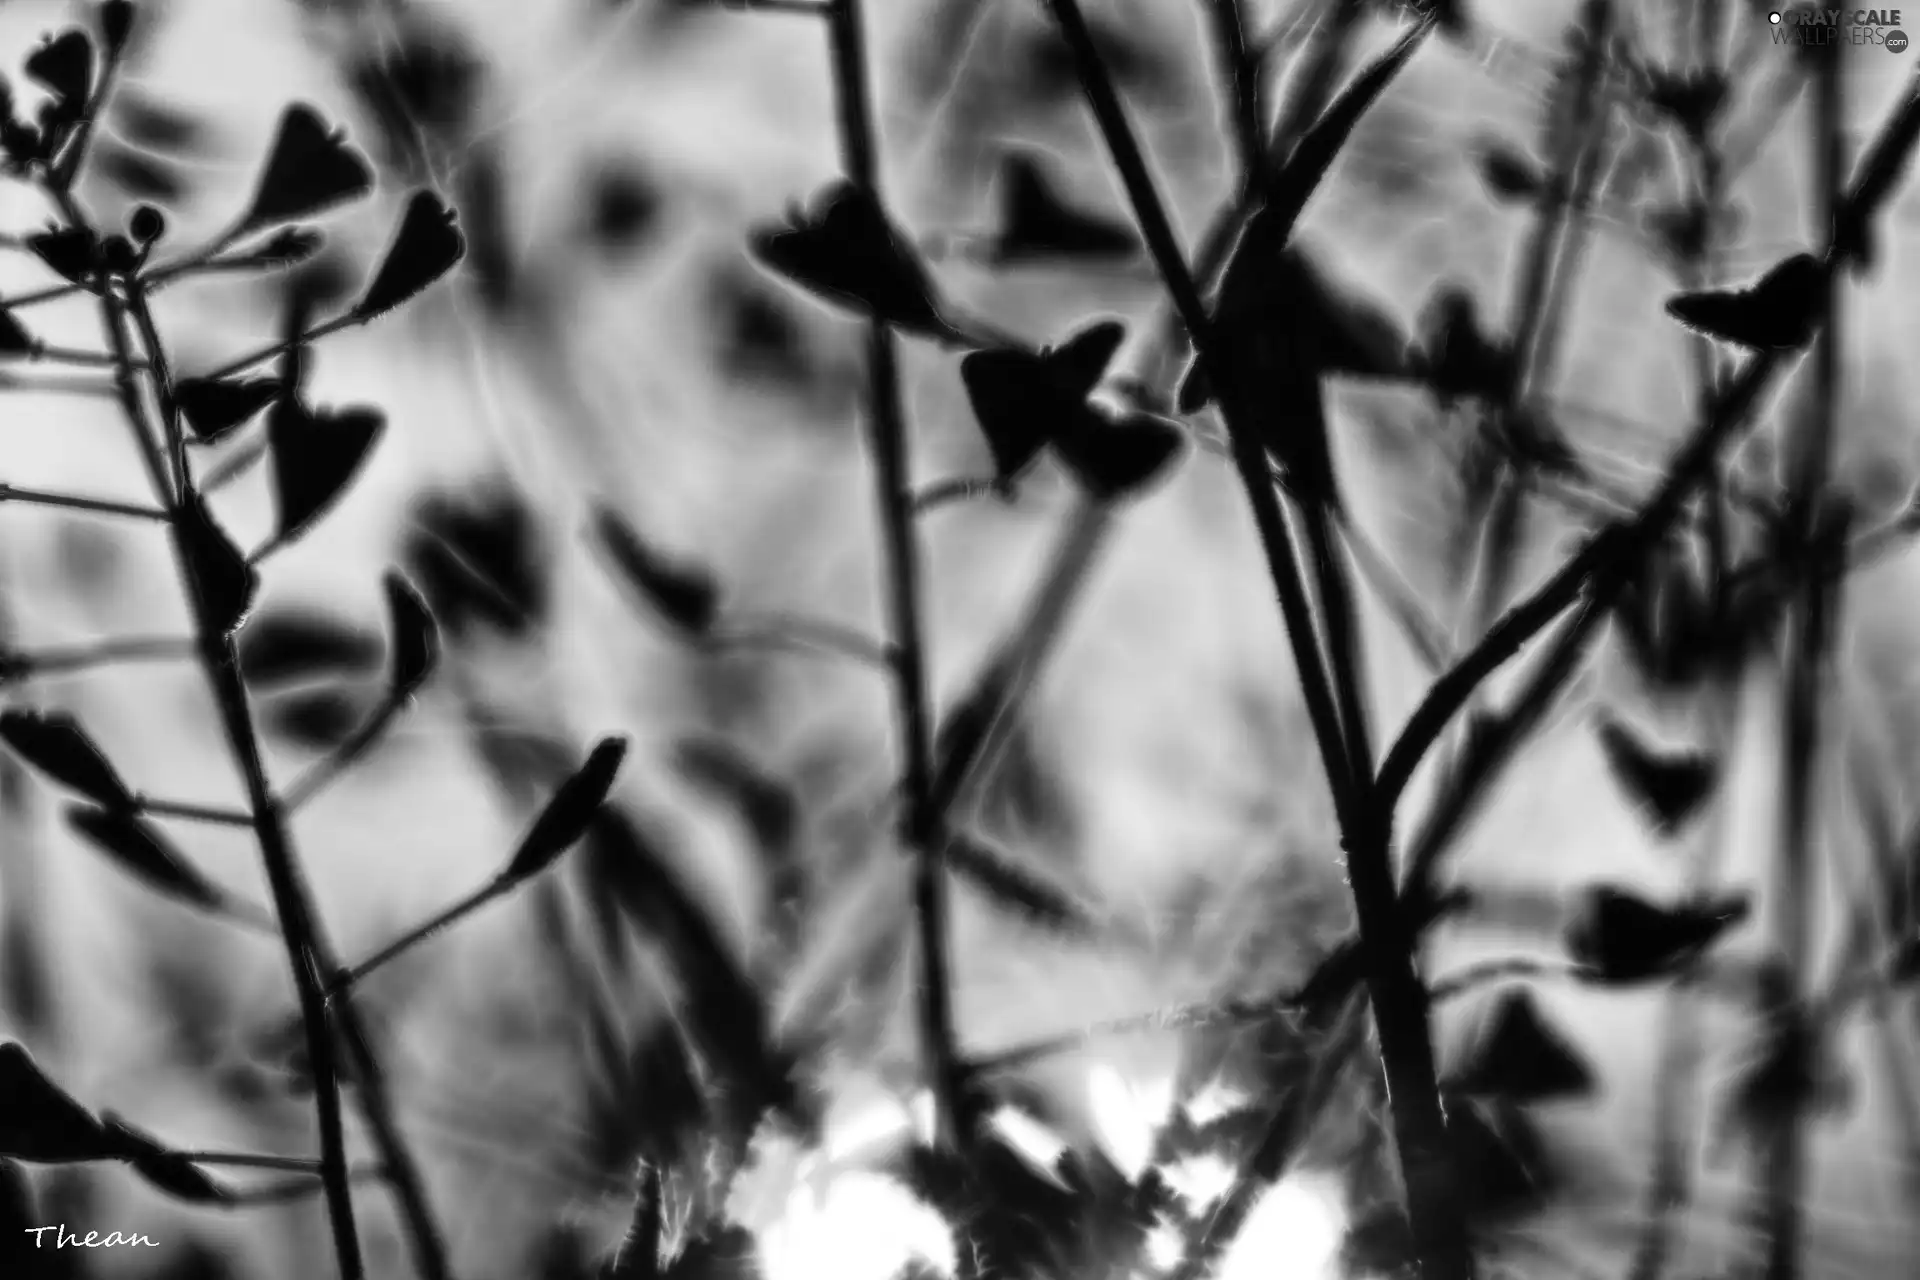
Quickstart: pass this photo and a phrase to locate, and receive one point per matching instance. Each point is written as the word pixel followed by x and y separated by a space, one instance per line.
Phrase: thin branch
pixel 212 815
pixel 66 661
pixel 74 502
pixel 801 634
pixel 888 442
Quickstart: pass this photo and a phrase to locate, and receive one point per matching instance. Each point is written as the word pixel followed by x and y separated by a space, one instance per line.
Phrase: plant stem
pixel 314 960
pixel 1805 674
pixel 219 661
pixel 74 502
pixel 887 439
pixel 1398 997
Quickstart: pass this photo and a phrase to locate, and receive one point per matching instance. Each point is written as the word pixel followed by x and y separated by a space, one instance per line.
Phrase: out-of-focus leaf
pixel 427 246
pixel 56 745
pixel 1459 360
pixel 285 646
pixel 1669 786
pixel 310 169
pixel 1039 225
pixel 1507 172
pixel 1625 939
pixel 413 638
pixel 142 851
pixel 1522 1059
pixel 684 594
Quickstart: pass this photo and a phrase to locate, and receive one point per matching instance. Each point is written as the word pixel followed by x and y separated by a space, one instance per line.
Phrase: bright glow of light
pixel 861 1227
pixel 1126 1117
pixel 1293 1233
pixel 1200 1180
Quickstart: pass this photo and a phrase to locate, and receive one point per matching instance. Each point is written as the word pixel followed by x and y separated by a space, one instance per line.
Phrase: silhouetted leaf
pixel 1625 939
pixel 1288 191
pixel 316 455
pixel 767 805
pixel 1039 225
pixel 685 595
pixel 14 338
pixel 41 1122
pixel 1670 787
pixel 286 646
pixel 1118 455
pixel 1692 99
pixel 72 252
pixel 310 169
pixel 141 850
pixel 317 719
pixel 154 125
pixel 116 25
pixel 225 584
pixel 427 246
pixel 1522 1059
pixel 63 66
pixel 413 638
pixel 1508 173
pixel 19 1214
pixel 1290 295
pixel 216 407
pixel 479 558
pixel 1008 885
pixel 1775 314
pixel 568 814
pixel 1023 399
pixel 55 744
pixel 848 251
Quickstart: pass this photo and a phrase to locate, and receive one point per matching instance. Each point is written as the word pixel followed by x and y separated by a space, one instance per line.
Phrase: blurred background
pixel 1157 830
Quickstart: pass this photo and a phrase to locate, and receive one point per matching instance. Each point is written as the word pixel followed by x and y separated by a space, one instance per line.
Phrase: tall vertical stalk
pixel 1794 884
pixel 887 438
pixel 1397 994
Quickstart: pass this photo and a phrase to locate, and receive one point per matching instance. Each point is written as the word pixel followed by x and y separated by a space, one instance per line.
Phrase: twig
pixel 1399 1001
pixel 887 439
pixel 56 662
pixel 74 502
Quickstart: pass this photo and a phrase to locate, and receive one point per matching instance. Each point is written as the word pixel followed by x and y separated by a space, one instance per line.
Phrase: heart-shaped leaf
pixel 849 252
pixel 316 455
pixel 1039 225
pixel 1624 939
pixel 225 585
pixel 412 636
pixel 56 745
pixel 1024 399
pixel 1669 786
pixel 72 252
pixel 1692 99
pixel 214 408
pixel 1776 313
pixel 1118 455
pixel 63 66
pixel 142 851
pixel 310 169
pixel 566 817
pixel 683 594
pixel 1521 1058
pixel 427 246
pixel 42 1122
pixel 290 647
